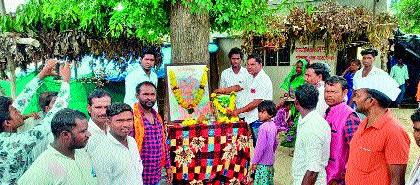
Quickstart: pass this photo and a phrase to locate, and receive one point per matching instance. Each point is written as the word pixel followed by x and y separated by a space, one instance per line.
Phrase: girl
pixel 264 153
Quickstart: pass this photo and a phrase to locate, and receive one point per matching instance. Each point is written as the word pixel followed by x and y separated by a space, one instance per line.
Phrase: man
pixel 98 101
pixel 16 148
pixel 46 101
pixel 316 74
pixel 235 76
pixel 312 147
pixel 379 148
pixel 122 165
pixel 149 133
pixel 368 68
pixel 259 88
pixel 135 77
pixel 400 74
pixel 414 178
pixel 343 122
pixel 62 163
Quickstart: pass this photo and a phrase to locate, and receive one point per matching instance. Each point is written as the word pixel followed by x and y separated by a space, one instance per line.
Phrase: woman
pixel 287 114
pixel 348 74
pixel 296 76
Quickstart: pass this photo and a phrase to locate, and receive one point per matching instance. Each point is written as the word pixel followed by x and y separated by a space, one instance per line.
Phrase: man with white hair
pixel 379 149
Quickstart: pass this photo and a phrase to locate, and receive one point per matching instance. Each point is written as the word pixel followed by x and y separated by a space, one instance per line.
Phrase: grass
pixel 283 165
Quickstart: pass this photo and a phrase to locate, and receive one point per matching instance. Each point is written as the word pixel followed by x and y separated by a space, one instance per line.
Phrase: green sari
pixel 292 82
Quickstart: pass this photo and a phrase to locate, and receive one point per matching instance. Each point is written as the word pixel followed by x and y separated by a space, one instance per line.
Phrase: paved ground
pixel 283 163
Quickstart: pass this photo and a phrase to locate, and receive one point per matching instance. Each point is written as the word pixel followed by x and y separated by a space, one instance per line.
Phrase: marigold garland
pixel 178 94
pixel 192 121
pixel 222 117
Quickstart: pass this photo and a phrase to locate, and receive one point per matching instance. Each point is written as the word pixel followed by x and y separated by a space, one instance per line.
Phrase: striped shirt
pixel 151 154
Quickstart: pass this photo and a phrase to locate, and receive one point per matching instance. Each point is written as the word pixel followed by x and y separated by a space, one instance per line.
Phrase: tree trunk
pixel 189 38
pixel 2 8
pixel 189 35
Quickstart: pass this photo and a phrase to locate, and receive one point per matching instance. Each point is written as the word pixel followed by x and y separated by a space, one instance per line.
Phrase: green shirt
pixel 400 74
pixel 54 168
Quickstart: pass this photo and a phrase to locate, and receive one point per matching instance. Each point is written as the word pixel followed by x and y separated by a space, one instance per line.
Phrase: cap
pixel 382 83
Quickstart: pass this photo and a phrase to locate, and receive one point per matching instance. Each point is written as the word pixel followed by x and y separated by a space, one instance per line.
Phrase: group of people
pixel 125 143
pixel 119 144
pixel 340 126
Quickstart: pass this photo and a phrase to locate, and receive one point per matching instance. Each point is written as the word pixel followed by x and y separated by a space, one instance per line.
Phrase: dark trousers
pixel 254 131
pixel 400 97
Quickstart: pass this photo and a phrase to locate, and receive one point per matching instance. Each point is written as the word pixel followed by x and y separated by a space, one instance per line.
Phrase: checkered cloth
pixel 211 154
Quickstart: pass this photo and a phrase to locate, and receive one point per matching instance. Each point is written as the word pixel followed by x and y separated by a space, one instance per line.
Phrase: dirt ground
pixel 283 163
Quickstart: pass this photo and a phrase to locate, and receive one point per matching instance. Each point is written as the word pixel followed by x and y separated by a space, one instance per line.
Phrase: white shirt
pixel 312 148
pixel 134 78
pixel 414 178
pixel 358 75
pixel 117 164
pixel 321 106
pixel 97 136
pixel 54 168
pixel 229 78
pixel 260 87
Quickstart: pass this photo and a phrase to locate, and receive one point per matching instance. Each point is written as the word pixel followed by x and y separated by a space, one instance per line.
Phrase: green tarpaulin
pixel 79 91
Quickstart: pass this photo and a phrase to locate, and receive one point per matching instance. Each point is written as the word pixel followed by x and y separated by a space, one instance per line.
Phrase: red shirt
pixel 372 149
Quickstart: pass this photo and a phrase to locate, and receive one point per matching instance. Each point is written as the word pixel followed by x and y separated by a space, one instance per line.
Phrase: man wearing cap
pixel 379 149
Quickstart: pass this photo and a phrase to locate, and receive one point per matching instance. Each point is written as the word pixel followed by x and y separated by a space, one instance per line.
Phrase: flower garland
pixel 230 104
pixel 192 121
pixel 222 117
pixel 178 94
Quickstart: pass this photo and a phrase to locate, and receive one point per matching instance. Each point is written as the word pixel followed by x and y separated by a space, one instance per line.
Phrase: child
pixel 266 146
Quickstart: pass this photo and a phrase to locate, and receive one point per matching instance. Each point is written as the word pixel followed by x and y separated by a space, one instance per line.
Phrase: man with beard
pixel 149 133
pixel 16 148
pixel 142 74
pixel 344 122
pixel 62 163
pixel 98 101
pixel 123 164
pixel 379 149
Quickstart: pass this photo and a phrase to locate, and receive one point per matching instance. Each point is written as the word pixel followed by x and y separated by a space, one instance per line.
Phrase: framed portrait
pixel 188 91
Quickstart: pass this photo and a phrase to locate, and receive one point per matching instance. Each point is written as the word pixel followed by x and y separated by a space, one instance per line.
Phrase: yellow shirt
pixel 54 168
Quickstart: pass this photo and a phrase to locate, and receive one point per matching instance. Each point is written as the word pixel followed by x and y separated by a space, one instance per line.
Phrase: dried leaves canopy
pixel 336 25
